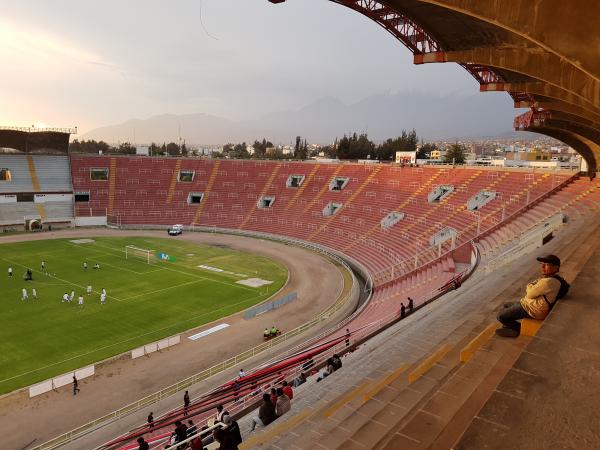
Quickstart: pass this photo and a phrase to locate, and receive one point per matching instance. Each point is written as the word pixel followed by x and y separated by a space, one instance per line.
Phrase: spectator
pixel 266 333
pixel 236 390
pixel 287 390
pixel 402 311
pixel 347 337
pixel 191 428
pixel 283 403
pixel 337 362
pixel 274 396
pixel 220 413
pixel 266 413
pixel 151 420
pixel 186 403
pixel 411 305
pixel 329 369
pixel 273 331
pixel 242 374
pixel 233 429
pixel 180 431
pixel 75 385
pixel 540 297
pixel 143 445
pixel 300 380
pixel 224 439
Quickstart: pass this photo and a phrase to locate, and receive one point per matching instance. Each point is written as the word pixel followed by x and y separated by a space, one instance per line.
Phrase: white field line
pixel 127 340
pixel 163 289
pixel 193 275
pixel 112 265
pixel 84 288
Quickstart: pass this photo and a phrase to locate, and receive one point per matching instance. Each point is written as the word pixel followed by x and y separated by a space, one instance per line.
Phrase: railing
pixel 358 336
pixel 207 373
pixel 525 242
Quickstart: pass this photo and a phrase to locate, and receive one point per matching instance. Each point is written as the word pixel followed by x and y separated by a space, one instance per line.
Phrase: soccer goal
pixel 131 251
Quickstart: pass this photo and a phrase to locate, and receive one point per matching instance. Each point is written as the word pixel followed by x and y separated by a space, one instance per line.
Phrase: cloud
pixel 31 43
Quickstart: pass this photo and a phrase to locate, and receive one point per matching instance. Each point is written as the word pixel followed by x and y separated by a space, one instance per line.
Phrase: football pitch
pixel 44 337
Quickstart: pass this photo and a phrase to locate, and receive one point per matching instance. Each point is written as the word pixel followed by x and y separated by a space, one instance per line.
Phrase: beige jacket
pixel 283 405
pixel 534 302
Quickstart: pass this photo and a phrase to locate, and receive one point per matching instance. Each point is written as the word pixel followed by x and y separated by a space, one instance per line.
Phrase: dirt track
pixel 28 422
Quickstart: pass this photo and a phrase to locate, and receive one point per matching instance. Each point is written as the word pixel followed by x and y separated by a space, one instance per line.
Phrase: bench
pixel 530 327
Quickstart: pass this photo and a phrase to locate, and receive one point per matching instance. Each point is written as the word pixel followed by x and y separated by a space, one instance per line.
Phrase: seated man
pixel 273 331
pixel 266 333
pixel 266 413
pixel 540 297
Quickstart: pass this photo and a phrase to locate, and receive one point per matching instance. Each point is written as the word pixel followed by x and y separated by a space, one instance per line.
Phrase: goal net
pixel 131 251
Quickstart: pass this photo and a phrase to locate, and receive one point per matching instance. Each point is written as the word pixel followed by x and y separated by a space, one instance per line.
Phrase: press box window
pixel 82 196
pixel 195 197
pixel 186 176
pixel 99 174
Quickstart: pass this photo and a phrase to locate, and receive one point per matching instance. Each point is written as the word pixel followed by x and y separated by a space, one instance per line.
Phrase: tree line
pixel 352 146
pixel 126 148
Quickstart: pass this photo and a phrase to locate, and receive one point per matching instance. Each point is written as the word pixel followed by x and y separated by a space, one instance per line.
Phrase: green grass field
pixel 146 302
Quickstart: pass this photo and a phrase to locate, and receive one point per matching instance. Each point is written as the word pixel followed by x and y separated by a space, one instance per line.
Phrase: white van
pixel 175 230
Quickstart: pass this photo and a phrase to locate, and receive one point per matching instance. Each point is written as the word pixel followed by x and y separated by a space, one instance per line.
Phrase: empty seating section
pixel 53 173
pixel 38 186
pixel 149 191
pixel 576 198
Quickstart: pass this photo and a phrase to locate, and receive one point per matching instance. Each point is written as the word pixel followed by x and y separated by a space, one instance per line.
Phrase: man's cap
pixel 550 259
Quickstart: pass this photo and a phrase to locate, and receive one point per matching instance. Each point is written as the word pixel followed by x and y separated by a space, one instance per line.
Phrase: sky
pixel 69 63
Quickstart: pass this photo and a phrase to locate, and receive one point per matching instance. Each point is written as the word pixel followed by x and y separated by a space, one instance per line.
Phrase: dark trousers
pixel 510 314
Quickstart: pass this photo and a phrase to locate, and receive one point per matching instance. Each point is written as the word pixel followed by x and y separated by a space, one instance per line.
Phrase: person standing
pixel 347 337
pixel 102 299
pixel 85 265
pixel 65 298
pixel 72 296
pixel 89 289
pixel 24 295
pixel 75 385
pixel 10 272
pixel 186 403
pixel 33 294
pixel 80 301
pixel 151 420
pixel 43 266
pixel 402 311
pixel 411 305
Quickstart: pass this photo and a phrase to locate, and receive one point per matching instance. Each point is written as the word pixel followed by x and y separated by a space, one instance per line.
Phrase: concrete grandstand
pixel 432 377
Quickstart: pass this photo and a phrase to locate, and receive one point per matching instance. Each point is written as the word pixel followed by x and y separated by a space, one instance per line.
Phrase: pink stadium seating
pixel 144 191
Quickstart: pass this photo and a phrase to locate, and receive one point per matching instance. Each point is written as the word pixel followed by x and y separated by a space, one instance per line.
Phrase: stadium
pixel 396 271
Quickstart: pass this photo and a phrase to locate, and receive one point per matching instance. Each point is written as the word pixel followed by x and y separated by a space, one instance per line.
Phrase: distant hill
pixel 382 116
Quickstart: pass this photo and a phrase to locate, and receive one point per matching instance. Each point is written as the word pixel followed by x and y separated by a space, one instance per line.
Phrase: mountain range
pixel 381 116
